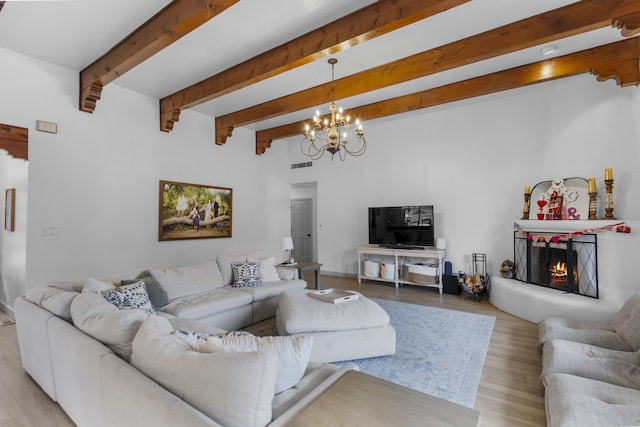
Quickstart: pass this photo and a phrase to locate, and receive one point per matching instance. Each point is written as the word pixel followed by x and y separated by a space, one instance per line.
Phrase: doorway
pixel 303 221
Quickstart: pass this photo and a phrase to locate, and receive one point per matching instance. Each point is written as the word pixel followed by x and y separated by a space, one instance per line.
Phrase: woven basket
pixel 422 279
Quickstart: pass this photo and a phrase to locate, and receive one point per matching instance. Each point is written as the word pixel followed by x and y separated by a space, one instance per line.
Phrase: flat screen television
pixel 402 226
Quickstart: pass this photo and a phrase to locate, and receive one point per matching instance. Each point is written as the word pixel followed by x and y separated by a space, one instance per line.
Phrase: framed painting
pixel 193 211
pixel 9 209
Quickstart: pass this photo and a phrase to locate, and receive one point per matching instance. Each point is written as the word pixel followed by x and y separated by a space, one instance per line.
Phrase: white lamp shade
pixel 287 243
pixel 441 244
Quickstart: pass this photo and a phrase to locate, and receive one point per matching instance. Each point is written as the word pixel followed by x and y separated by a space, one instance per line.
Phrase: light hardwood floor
pixel 510 393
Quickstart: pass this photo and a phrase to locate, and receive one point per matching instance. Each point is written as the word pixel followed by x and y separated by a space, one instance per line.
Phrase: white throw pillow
pixel 234 389
pixel 224 262
pixel 190 280
pixel 103 321
pixel 268 272
pixel 293 352
pixel 96 285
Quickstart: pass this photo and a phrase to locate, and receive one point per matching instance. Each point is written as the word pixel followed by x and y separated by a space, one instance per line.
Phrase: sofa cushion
pixel 207 304
pixel 625 311
pixel 54 300
pixel 130 296
pixel 574 401
pixel 224 262
pixel 274 289
pixel 584 360
pixel 103 321
pixel 293 352
pixel 298 313
pixel 246 274
pixel 67 285
pixel 268 272
pixel 599 334
pixel 190 280
pixel 630 329
pixel 234 389
pixel 96 285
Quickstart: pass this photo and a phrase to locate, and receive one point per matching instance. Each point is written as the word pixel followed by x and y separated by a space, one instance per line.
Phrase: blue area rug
pixel 439 352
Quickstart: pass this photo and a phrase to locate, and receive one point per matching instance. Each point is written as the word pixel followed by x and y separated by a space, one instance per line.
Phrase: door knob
pixel 309 235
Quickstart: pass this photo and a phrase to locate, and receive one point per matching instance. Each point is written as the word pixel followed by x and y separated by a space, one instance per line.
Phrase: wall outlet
pixel 50 231
pixel 49 127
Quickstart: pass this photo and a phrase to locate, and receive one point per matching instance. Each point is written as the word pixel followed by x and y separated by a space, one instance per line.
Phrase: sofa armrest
pixel 311 396
pixel 32 327
pixel 145 403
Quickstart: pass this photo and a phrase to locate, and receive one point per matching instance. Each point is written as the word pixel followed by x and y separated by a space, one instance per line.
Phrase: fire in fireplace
pixel 568 265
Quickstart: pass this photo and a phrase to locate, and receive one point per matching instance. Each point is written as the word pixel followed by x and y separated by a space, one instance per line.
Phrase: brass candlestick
pixel 525 209
pixel 608 204
pixel 592 205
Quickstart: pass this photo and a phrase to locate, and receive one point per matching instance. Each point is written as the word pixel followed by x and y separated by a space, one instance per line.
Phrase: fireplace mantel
pixel 541 226
pixel 616 282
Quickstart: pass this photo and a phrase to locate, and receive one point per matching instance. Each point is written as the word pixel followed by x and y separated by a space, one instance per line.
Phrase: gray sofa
pixel 111 367
pixel 591 371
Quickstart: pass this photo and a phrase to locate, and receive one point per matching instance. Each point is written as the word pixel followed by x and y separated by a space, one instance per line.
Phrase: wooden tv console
pixel 401 258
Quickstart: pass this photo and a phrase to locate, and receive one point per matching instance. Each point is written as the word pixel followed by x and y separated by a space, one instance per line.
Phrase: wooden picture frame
pixel 194 211
pixel 10 209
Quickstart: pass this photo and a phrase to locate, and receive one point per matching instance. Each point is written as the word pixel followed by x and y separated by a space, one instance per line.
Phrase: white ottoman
pixel 350 330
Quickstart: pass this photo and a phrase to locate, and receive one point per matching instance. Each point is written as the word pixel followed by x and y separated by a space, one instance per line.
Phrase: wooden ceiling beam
pixel 176 20
pixel 573 19
pixel 619 61
pixel 360 26
pixel 15 140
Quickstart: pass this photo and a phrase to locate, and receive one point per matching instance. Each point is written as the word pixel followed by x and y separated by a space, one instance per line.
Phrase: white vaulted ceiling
pixel 76 33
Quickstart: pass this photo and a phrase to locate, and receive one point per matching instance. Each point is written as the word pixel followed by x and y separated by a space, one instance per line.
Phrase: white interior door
pixel 302 229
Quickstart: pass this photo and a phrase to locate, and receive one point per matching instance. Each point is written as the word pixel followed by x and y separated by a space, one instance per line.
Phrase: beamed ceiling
pixel 262 64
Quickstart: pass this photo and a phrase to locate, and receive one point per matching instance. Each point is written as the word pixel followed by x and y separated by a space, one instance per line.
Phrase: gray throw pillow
pixel 157 294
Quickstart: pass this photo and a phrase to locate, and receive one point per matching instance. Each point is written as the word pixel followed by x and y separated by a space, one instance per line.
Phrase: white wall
pixel 472 159
pixel 97 180
pixel 13 174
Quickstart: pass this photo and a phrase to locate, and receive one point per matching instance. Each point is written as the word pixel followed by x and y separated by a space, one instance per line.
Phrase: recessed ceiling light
pixel 548 50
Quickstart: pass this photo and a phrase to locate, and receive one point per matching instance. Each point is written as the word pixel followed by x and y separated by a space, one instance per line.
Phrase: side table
pixel 303 267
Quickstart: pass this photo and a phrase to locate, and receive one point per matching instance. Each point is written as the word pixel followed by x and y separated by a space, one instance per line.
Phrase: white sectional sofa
pixel 591 371
pixel 107 366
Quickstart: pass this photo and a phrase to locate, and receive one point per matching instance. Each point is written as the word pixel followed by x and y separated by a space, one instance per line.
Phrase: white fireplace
pixel 617 256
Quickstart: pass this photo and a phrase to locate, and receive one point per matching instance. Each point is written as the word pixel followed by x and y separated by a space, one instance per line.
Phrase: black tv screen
pixel 401 226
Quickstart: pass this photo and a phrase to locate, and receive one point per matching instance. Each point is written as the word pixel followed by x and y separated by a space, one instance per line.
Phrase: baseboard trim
pixel 8 310
pixel 338 274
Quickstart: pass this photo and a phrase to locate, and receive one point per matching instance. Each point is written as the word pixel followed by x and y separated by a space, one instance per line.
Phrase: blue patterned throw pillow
pixel 246 274
pixel 130 296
